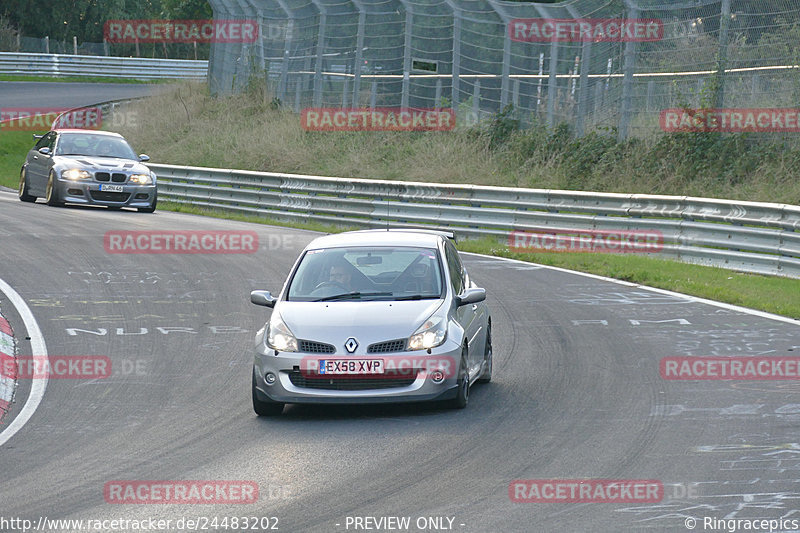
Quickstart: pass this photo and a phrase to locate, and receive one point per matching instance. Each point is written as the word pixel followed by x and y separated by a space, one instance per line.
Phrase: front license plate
pixel 111 188
pixel 351 366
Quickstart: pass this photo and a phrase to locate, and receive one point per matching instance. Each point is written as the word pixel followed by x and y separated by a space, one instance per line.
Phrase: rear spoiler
pixel 444 233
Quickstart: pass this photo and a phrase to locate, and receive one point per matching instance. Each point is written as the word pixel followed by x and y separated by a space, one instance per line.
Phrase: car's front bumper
pixel 90 193
pixel 418 385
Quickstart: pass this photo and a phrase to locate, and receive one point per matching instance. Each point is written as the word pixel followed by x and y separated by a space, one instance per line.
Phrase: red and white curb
pixel 8 366
pixel 38 349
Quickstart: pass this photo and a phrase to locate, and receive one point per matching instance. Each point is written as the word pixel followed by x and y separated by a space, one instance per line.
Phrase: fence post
pixel 405 90
pixel 539 88
pixel 362 17
pixel 627 81
pixel 454 96
pixel 552 84
pixel 515 97
pixel 320 51
pixel 651 85
pixel 438 98
pixel 373 95
pixel 476 97
pixel 75 44
pixel 297 86
pixel 46 44
pixel 724 25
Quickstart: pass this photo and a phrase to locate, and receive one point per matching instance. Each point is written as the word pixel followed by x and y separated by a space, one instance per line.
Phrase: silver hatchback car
pixel 371 317
pixel 87 167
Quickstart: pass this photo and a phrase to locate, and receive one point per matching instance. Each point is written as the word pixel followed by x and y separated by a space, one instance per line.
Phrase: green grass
pixel 76 79
pixel 14 146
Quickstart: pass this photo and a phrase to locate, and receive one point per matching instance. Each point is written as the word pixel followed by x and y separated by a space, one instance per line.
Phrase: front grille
pixel 316 347
pixel 398 345
pixel 117 177
pixel 104 196
pixel 102 176
pixel 378 381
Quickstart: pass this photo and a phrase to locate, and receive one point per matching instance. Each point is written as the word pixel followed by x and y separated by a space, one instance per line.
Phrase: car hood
pixel 367 322
pixel 100 164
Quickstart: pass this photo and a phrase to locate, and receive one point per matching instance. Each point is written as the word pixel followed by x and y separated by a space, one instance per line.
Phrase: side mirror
pixel 44 150
pixel 263 298
pixel 144 158
pixel 471 296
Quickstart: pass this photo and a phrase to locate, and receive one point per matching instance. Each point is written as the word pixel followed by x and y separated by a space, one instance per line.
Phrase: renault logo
pixel 351 345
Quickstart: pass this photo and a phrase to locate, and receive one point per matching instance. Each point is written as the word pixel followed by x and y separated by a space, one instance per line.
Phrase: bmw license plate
pixel 351 366
pixel 111 188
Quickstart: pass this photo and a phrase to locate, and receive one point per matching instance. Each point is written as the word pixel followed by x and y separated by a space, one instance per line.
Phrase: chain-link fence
pixel 469 54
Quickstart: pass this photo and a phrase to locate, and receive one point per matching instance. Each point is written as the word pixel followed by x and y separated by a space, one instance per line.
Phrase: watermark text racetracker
pixel 377 119
pixel 181 492
pixel 184 523
pixel 730 368
pixel 69 367
pixel 46 118
pixel 545 30
pixel 731 120
pixel 597 241
pixel 586 491
pixel 180 242
pixel 181 31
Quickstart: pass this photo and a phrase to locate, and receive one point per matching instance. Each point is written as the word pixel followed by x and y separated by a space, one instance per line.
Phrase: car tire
pixel 152 206
pixel 263 408
pixel 51 194
pixel 486 376
pixel 23 187
pixel 462 390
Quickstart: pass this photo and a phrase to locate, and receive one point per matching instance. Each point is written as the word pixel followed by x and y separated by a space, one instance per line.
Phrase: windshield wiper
pixel 417 297
pixel 352 296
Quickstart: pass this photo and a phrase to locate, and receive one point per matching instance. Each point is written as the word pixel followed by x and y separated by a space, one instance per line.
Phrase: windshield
pixel 367 273
pixel 94 146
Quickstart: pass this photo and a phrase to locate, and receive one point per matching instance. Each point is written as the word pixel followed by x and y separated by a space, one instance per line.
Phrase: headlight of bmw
pixel 429 335
pixel 141 179
pixel 279 336
pixel 75 174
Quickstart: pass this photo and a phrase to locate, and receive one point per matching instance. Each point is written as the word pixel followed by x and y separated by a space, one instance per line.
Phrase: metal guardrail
pixel 104 66
pixel 746 236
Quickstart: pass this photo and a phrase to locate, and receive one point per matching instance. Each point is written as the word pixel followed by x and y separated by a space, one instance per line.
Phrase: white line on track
pixel 38 349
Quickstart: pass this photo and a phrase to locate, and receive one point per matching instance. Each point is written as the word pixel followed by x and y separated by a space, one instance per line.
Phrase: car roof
pixel 88 132
pixel 380 237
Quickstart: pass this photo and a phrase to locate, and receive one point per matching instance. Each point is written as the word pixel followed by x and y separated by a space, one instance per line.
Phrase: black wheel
pixel 51 194
pixel 23 188
pixel 263 408
pixel 152 206
pixel 462 391
pixel 486 376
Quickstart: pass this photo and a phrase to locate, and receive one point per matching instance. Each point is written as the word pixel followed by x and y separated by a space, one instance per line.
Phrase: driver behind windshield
pixel 341 275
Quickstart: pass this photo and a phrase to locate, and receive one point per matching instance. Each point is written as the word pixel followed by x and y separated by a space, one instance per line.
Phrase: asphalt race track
pixel 576 394
pixel 26 94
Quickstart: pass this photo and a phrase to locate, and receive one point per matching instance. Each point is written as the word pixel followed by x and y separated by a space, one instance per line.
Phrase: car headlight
pixel 75 174
pixel 141 179
pixel 429 335
pixel 279 336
